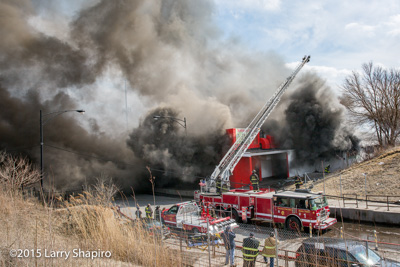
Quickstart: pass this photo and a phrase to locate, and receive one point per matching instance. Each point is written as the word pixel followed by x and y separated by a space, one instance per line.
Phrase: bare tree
pixel 373 99
pixel 16 172
pixel 103 191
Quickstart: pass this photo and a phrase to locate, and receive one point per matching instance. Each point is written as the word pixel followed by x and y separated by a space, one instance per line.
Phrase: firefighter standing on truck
pixel 250 251
pixel 298 182
pixel 225 187
pixel 269 249
pixel 149 212
pixel 254 180
pixel 218 184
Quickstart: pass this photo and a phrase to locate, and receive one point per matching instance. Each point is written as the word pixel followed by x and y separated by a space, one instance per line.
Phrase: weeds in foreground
pixel 83 224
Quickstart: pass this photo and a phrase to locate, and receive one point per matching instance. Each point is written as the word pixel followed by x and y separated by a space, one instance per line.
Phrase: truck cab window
pixel 173 210
pixel 292 203
pixel 313 205
pixel 282 202
pixel 301 204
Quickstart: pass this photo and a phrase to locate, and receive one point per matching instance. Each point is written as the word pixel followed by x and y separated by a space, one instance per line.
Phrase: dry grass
pixel 81 224
pixel 383 177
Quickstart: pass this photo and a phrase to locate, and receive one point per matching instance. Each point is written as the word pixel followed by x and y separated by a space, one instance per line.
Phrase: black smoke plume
pixel 171 57
pixel 312 123
pixel 176 157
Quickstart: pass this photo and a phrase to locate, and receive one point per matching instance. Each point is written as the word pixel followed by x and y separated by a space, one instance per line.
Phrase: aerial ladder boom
pixel 225 168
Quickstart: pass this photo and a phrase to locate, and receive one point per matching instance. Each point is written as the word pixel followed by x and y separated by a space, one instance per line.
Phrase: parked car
pixel 338 252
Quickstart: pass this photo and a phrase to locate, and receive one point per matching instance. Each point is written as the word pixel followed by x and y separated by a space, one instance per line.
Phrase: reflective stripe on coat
pixel 269 247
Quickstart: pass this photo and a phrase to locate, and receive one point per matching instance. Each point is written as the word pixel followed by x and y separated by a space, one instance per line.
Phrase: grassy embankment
pixel 382 172
pixel 80 224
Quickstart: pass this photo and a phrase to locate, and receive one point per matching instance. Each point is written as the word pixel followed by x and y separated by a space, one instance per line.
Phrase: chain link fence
pixel 295 248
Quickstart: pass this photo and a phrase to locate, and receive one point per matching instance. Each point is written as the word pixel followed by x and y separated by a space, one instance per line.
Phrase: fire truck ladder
pixel 235 153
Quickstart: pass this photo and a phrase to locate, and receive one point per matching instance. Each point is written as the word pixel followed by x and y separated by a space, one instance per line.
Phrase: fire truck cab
pixel 293 209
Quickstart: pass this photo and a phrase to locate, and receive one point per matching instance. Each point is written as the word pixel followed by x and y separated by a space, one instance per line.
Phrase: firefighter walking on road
pixel 250 251
pixel 254 180
pixel 138 212
pixel 157 214
pixel 149 212
pixel 269 250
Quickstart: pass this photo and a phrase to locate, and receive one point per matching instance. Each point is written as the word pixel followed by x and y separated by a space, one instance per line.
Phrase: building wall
pixel 266 165
pixel 241 173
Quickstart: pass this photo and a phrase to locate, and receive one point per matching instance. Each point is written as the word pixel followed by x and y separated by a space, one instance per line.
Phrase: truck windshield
pixel 319 203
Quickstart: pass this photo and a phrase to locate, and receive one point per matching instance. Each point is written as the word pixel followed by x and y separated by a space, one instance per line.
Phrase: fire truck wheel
pixel 293 223
pixel 221 213
pixel 235 216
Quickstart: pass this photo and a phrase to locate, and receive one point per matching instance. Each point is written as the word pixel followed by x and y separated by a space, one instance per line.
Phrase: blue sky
pixel 339 35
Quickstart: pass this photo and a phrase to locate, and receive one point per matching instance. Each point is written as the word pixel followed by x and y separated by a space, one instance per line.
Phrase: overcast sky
pixel 339 35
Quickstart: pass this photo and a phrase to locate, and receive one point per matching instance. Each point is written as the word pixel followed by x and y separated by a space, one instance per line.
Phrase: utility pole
pixel 323 174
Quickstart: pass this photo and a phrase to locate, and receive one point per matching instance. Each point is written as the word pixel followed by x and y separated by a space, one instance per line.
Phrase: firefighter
pixel 218 184
pixel 149 211
pixel 225 187
pixel 269 250
pixel 157 214
pixel 327 169
pixel 298 182
pixel 250 251
pixel 254 180
pixel 229 241
pixel 138 212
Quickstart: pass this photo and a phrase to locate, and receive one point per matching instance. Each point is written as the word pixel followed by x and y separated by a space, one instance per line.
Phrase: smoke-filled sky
pixel 124 62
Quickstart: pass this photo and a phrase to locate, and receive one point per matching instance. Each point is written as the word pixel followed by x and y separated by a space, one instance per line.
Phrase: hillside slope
pixel 383 177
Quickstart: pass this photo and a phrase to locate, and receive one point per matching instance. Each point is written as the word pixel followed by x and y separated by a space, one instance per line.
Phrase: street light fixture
pixel 179 121
pixel 50 116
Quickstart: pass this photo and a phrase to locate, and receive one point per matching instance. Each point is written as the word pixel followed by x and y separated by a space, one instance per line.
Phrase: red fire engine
pixel 293 209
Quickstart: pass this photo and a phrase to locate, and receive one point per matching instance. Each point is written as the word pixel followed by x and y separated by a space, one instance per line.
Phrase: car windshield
pixel 319 203
pixel 360 254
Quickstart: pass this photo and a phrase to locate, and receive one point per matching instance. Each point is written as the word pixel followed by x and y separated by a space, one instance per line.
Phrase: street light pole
pixel 41 150
pixel 54 114
pixel 179 121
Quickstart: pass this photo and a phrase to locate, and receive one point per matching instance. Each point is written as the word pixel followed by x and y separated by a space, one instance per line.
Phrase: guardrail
pixel 377 199
pixel 370 200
